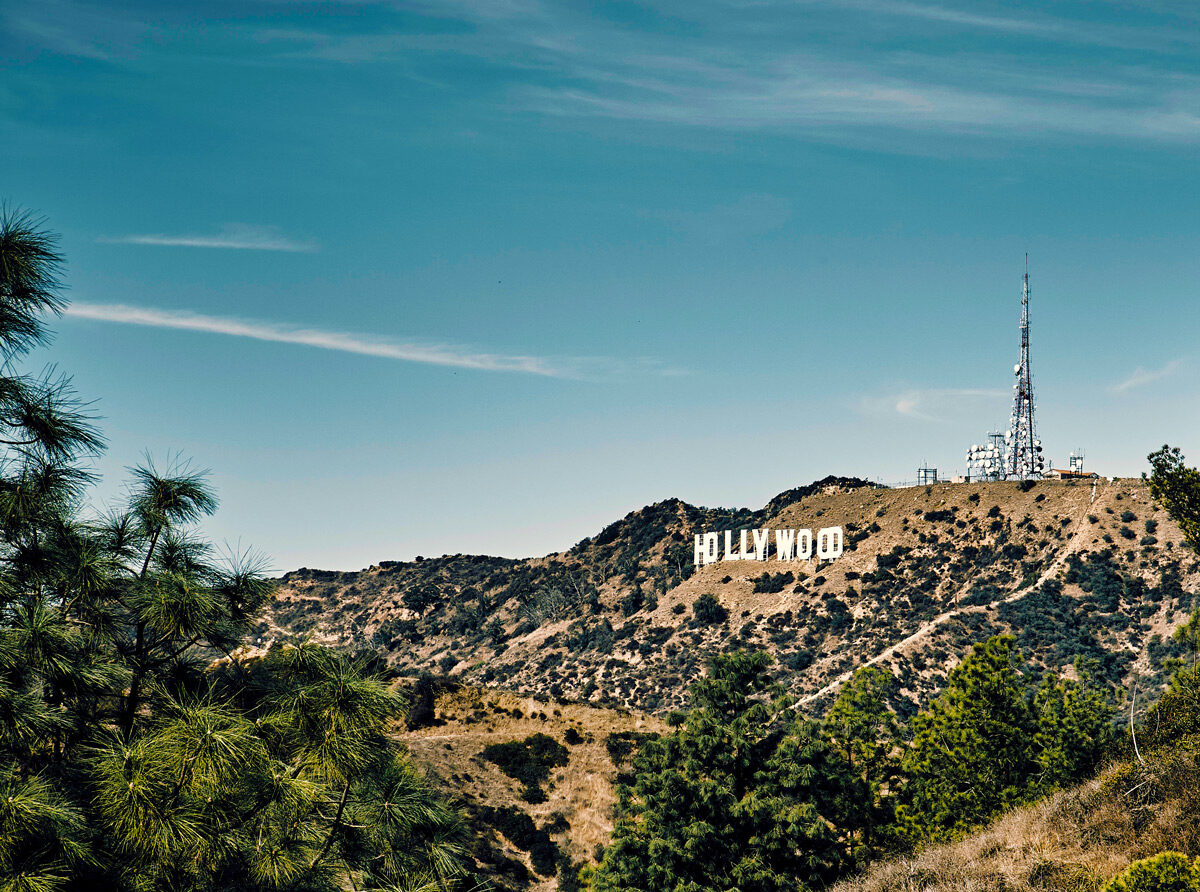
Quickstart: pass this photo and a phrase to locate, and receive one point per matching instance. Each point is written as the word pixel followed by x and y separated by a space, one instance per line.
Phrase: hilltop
pixel 1087 573
pixel 589 646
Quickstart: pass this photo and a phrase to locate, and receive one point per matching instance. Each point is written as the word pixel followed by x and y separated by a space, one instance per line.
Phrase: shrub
pixel 1164 872
pixel 621 745
pixel 528 761
pixel 1128 517
pixel 773 583
pixel 708 610
pixel 519 829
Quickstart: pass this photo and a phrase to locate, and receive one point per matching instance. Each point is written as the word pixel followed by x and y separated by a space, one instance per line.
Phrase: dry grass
pixel 583 792
pixel 1073 841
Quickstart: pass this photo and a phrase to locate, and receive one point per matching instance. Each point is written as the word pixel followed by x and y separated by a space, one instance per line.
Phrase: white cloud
pixel 929 404
pixel 234 236
pixel 364 345
pixel 1141 377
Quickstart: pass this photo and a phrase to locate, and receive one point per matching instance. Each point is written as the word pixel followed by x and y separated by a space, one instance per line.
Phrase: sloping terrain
pixel 1072 841
pixel 521 844
pixel 1082 573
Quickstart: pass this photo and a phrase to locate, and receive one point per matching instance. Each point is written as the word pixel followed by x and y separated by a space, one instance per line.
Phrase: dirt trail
pixel 1072 546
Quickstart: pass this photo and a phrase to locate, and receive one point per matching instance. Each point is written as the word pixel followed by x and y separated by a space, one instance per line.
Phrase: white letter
pixel 803 545
pixel 760 544
pixel 729 555
pixel 785 543
pixel 743 555
pixel 699 554
pixel 712 548
pixel 829 543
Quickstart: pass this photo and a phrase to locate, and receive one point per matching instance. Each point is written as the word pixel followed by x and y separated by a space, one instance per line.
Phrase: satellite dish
pixel 1017 369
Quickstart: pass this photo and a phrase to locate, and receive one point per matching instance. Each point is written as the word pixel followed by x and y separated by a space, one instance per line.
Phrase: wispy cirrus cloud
pixel 855 71
pixel 1140 377
pixel 927 404
pixel 365 345
pixel 734 65
pixel 234 236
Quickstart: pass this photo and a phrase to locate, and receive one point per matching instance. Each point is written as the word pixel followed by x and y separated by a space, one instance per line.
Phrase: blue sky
pixel 465 276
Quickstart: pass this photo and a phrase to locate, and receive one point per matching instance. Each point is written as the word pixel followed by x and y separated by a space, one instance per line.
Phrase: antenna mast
pixel 1024 450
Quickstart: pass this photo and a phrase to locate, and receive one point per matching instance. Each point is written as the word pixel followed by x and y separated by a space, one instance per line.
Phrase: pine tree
pixel 1177 488
pixel 743 795
pixel 139 748
pixel 865 733
pixel 971 754
pixel 1074 729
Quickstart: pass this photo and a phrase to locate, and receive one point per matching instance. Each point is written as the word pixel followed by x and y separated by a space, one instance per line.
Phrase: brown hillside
pixel 580 795
pixel 1073 841
pixel 1079 572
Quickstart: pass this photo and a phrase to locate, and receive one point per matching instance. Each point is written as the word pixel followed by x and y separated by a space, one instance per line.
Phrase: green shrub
pixel 708 610
pixel 528 761
pixel 1164 872
pixel 773 583
pixel 621 745
pixel 519 829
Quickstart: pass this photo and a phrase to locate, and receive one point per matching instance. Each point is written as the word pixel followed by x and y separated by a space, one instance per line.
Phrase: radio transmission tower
pixel 1023 458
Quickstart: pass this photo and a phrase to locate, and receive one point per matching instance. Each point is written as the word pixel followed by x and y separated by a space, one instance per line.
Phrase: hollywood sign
pixel 753 545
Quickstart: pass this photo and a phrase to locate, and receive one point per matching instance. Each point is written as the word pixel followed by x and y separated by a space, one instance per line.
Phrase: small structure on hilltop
pixel 1074 471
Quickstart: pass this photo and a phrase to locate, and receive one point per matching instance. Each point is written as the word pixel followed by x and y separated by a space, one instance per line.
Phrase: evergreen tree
pixel 1189 636
pixel 1177 488
pixel 743 795
pixel 138 748
pixel 865 733
pixel 1177 712
pixel 971 754
pixel 1074 729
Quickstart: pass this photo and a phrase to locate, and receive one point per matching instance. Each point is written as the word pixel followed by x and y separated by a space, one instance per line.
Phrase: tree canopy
pixel 141 749
pixel 745 794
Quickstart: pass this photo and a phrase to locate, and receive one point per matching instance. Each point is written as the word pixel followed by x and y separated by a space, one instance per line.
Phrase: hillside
pixel 1079 572
pixel 534 852
pixel 1072 841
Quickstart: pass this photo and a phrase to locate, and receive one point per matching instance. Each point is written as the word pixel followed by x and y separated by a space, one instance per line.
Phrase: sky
pixel 483 276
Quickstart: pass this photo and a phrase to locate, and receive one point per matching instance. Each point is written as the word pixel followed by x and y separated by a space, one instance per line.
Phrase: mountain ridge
pixel 623 618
